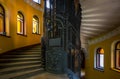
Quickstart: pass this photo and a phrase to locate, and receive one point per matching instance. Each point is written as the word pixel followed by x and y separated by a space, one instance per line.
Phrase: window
pixel 48 3
pixel 2 20
pixel 100 58
pixel 37 1
pixel 117 55
pixel 20 23
pixel 35 25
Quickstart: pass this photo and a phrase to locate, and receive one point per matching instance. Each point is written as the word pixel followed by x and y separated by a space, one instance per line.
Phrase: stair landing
pixel 47 75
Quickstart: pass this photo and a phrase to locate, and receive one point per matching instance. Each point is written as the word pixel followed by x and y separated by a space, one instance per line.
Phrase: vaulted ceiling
pixel 99 16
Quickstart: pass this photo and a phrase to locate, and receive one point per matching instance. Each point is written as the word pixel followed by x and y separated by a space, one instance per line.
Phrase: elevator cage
pixel 62 21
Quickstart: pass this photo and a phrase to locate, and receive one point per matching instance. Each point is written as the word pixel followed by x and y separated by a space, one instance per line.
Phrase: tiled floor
pixel 47 75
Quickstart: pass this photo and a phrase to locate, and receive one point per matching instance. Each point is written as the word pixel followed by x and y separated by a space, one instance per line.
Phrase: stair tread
pixel 9 55
pixel 30 50
pixel 27 76
pixel 2 59
pixel 21 70
pixel 15 63
pixel 18 56
pixel 17 68
pixel 11 75
pixel 9 65
pixel 23 53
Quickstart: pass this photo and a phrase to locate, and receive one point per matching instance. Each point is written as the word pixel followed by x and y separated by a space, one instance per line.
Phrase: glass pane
pixel 20 16
pixel 35 18
pixel 118 59
pixel 34 25
pixel 101 60
pixel 37 1
pixel 118 46
pixel 19 24
pixel 98 61
pixel 1 10
pixel 37 30
pixel 101 51
pixel 48 3
pixel 21 27
pixel 1 24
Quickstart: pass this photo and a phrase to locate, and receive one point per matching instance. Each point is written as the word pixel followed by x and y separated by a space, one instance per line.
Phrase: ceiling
pixel 99 16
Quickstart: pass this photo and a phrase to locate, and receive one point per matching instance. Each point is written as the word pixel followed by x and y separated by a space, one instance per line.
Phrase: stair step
pixel 13 61
pixel 27 76
pixel 18 68
pixel 37 46
pixel 29 50
pixel 23 53
pixel 9 65
pixel 34 48
pixel 21 70
pixel 18 63
pixel 19 75
pixel 18 56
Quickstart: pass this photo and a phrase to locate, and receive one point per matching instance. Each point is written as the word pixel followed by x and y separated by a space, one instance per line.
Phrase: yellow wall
pixel 108 73
pixel 15 40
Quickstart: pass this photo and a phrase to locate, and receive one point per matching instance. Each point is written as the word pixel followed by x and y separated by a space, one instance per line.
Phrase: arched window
pixel 117 55
pixel 35 25
pixel 2 20
pixel 100 58
pixel 20 23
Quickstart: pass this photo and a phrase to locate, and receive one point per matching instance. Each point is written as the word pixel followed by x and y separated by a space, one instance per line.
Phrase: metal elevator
pixel 62 21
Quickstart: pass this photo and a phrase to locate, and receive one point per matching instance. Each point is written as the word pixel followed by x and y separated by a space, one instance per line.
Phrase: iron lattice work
pixel 62 22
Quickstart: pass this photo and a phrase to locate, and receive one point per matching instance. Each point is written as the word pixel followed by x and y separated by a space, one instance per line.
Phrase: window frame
pixel 3 32
pixel 98 59
pixel 21 21
pixel 115 56
pixel 38 26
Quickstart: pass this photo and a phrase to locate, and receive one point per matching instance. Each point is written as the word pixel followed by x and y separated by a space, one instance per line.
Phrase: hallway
pixel 79 36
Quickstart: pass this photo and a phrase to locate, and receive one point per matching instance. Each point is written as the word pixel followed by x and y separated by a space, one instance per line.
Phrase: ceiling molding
pixel 106 36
